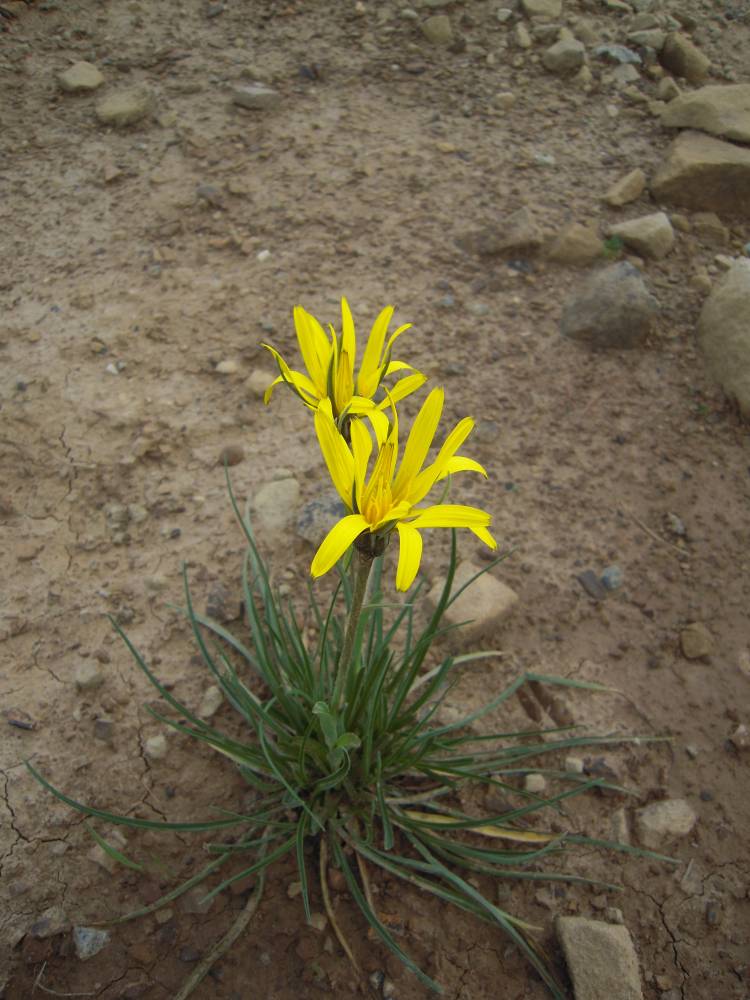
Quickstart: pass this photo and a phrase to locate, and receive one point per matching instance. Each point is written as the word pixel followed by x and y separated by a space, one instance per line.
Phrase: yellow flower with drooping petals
pixel 330 364
pixel 388 500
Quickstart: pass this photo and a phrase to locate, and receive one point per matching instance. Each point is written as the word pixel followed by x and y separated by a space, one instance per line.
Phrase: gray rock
pixel 318 517
pixel 515 234
pixel 617 54
pixel 564 57
pixel 438 30
pixel 483 606
pixel 667 90
pixel 535 783
pixel 89 941
pixel 258 381
pixel 722 111
pixel 125 107
pixel 521 36
pixel 255 96
pixel 80 78
pixel 275 505
pixel 612 309
pixel 592 585
pixel 542 8
pixel 681 57
pixel 696 641
pixel 724 333
pixel 701 172
pixel 104 729
pixel 88 676
pixel 601 959
pixel 628 188
pixel 503 14
pixel 650 236
pixel 661 822
pixel 612 577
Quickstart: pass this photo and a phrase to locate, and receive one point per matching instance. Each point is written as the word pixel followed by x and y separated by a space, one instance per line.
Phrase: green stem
pixel 362 563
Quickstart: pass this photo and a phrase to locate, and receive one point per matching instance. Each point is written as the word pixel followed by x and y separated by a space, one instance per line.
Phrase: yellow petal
pixel 419 441
pixel 404 387
pixel 369 371
pixel 295 380
pixel 336 542
pixel 451 515
pixel 426 479
pixel 484 536
pixel 397 366
pixel 348 340
pixel 460 464
pixel 409 555
pixel 335 451
pixel 361 450
pixel 486 829
pixel 315 348
pixel 380 425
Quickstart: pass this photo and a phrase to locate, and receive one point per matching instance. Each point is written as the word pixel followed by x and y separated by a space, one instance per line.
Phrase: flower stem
pixel 362 563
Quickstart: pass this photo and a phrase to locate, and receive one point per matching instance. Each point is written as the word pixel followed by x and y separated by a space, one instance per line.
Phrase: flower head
pixel 331 362
pixel 388 499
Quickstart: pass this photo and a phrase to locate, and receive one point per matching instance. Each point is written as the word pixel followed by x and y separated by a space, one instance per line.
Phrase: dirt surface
pixel 136 260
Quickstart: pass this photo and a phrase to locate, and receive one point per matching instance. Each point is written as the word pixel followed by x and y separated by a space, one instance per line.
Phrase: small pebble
pixel 263 255
pixel 103 729
pixel 88 676
pixel 227 368
pixel 592 585
pixel 155 747
pixel 612 577
pixel 89 941
pixel 574 765
pixel 231 454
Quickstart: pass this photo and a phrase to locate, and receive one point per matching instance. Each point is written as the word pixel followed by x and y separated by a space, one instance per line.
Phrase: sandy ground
pixel 134 262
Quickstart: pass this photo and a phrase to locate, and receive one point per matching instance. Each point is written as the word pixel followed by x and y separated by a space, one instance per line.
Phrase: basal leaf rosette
pixel 390 499
pixel 331 374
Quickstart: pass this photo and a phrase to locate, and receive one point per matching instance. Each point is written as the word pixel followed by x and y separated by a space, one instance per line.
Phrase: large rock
pixel 613 308
pixel 601 959
pixel 704 173
pixel 125 107
pixel 516 234
pixel 661 822
pixel 681 57
pixel 724 333
pixel 650 236
pixel 564 57
pixel 80 77
pixel 274 507
pixel 483 605
pixel 723 111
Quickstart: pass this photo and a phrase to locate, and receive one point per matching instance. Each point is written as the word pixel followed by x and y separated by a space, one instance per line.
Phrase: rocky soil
pixel 552 191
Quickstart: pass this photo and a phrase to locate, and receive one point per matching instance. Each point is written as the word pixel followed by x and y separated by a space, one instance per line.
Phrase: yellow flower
pixel 330 365
pixel 388 500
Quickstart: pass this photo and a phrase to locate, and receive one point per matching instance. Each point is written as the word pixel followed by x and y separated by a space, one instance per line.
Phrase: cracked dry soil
pixel 130 269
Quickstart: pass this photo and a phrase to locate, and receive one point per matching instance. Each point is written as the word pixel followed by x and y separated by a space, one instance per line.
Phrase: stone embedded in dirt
pixel 702 172
pixel 650 236
pixel 210 702
pixel 88 676
pixel 667 90
pixel 708 226
pixel 696 641
pixel 80 77
pixel 577 245
pixel 318 516
pixel 255 96
pixel 125 107
pixel 612 577
pixel 542 8
pixel 115 838
pixel 89 941
pixel 438 30
pixel 318 921
pixel 516 233
pixel 649 38
pixel 155 747
pixel 660 822
pixel 521 36
pixel 724 333
pixel 740 738
pixel 231 454
pixel 103 729
pixel 628 188
pixel 227 367
pixel 720 110
pixel 53 921
pixel 612 309
pixel 619 826
pixel 193 901
pixel 617 54
pixel 483 605
pixel 274 506
pixel 574 765
pixel 592 585
pixel 564 57
pixel 682 57
pixel 535 783
pixel 601 959
pixel 258 381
